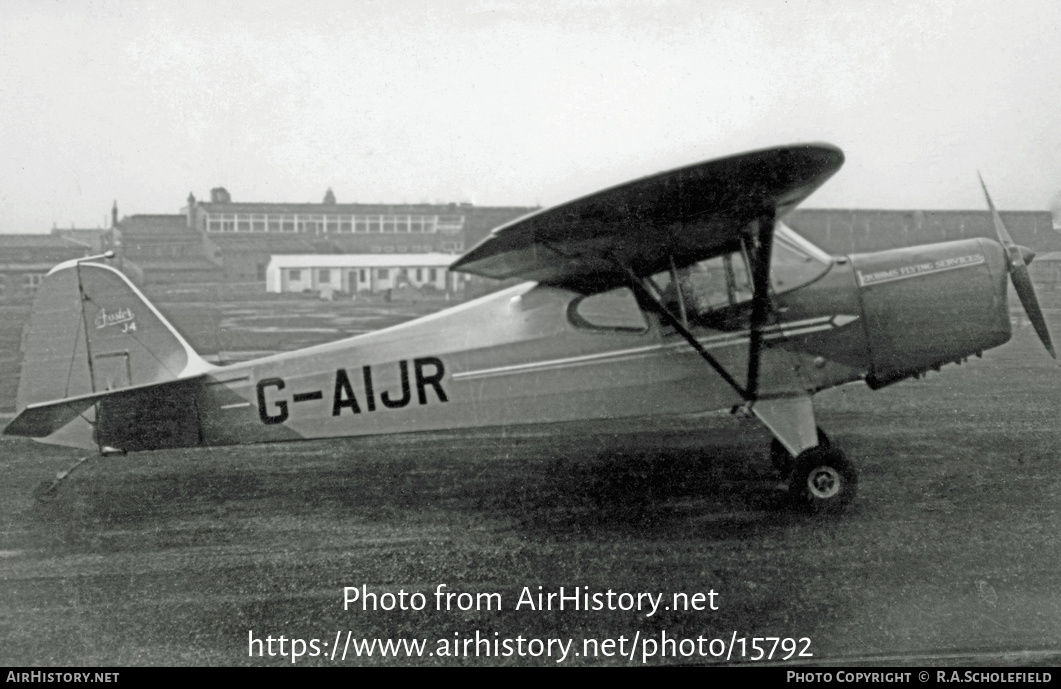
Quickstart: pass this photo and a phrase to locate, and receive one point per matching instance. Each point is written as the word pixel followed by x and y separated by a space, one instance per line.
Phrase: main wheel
pixel 783 461
pixel 824 480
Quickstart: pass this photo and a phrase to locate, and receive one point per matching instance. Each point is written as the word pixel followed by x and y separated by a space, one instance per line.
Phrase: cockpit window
pixel 613 310
pixel 695 292
pixel 706 286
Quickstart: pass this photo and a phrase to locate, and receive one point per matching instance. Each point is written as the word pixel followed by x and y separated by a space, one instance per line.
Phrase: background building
pixel 222 241
pixel 243 236
pixel 842 231
pixel 157 249
pixel 369 273
pixel 855 231
pixel 26 258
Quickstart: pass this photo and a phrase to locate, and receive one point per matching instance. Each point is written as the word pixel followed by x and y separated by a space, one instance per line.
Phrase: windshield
pixel 706 288
pixel 795 260
pixel 698 291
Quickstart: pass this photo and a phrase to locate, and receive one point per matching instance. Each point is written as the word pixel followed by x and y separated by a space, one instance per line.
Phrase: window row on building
pixel 331 224
pixel 361 275
pixel 448 247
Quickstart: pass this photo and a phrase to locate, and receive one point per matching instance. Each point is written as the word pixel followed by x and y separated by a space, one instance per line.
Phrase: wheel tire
pixel 824 481
pixel 783 461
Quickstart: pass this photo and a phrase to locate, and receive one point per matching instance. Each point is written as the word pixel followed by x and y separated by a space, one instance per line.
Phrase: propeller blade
pixel 1018 273
pixel 1022 284
pixel 1000 229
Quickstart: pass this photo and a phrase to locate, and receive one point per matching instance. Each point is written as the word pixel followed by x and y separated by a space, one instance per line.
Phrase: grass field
pixel 951 551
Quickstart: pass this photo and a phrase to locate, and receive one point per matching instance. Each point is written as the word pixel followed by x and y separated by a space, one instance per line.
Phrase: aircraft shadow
pixel 672 493
pixel 651 483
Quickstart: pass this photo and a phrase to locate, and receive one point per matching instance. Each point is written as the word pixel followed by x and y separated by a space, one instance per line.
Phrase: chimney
pixel 114 214
pixel 191 211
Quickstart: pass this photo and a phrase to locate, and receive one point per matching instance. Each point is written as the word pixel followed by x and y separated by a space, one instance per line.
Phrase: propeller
pixel 1018 272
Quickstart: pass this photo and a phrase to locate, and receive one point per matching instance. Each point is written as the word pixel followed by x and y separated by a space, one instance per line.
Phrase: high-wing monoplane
pixel 677 293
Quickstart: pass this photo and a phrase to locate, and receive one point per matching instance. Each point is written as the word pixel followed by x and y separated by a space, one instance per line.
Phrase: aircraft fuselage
pixel 526 355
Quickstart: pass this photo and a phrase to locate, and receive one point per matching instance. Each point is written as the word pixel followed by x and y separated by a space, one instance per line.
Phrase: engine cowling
pixel 929 305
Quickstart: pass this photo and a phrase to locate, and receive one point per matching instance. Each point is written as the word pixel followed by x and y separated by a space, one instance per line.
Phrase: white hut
pixel 352 273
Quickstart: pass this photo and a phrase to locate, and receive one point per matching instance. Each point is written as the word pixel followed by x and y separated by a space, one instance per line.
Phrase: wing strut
pixel 761 245
pixel 759 242
pixel 647 297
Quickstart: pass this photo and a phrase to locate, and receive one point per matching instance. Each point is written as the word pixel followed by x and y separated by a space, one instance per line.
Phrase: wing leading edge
pixel 685 215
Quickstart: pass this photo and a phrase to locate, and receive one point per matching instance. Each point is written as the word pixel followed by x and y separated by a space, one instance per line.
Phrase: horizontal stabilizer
pixel 41 420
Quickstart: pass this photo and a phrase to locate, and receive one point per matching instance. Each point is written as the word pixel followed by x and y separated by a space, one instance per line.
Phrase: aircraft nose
pixel 1027 254
pixel 929 305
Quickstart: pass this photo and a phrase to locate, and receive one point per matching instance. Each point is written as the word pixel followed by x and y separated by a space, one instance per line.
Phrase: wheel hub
pixel 824 482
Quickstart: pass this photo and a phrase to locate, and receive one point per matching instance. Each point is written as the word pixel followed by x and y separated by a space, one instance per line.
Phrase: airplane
pixel 677 293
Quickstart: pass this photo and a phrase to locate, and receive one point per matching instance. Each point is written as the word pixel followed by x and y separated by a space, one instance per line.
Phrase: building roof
pixel 264 243
pixel 38 252
pixel 91 237
pixel 38 241
pixel 180 263
pixel 164 224
pixel 433 260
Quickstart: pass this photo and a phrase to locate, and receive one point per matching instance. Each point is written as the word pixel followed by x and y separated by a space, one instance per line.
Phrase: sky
pixel 515 103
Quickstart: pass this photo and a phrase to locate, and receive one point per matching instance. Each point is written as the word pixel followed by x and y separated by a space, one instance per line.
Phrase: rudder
pixel 91 331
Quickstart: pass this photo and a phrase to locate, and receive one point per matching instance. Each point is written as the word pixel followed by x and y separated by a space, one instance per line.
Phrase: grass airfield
pixel 950 554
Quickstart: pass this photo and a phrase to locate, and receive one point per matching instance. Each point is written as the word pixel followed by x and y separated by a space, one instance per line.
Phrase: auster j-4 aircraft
pixel 677 293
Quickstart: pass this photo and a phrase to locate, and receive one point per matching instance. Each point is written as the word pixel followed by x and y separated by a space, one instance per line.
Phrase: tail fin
pixel 92 331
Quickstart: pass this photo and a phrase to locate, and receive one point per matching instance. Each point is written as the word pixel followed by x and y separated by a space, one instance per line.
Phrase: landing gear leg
pixel 821 477
pixel 783 460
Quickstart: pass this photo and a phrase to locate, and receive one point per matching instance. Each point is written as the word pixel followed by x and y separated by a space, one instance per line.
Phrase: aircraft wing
pixel 691 214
